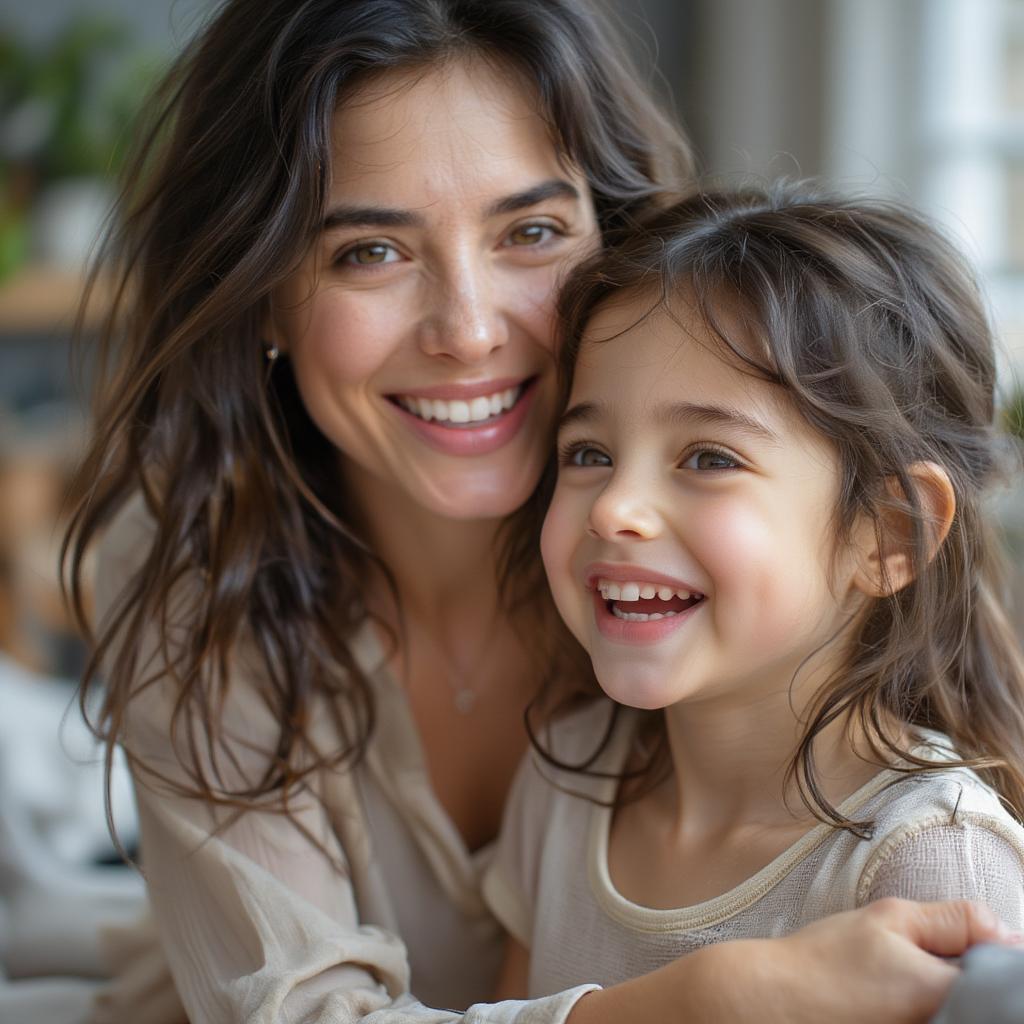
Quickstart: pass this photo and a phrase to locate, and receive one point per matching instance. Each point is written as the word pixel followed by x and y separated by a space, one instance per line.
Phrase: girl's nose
pixel 623 511
pixel 465 320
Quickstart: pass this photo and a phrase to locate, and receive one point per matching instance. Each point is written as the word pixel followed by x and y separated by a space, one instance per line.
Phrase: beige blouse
pixel 936 836
pixel 252 921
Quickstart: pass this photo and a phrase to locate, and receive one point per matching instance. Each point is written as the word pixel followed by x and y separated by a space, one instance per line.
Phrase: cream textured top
pixel 937 836
pixel 253 922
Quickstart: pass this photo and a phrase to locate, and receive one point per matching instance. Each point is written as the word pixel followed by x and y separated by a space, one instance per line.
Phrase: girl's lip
pixel 464 390
pixel 620 572
pixel 467 440
pixel 651 632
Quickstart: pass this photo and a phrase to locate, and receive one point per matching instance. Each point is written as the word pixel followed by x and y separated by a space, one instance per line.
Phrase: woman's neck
pixel 444 568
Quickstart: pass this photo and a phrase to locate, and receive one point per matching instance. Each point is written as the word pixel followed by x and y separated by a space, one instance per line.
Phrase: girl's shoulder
pixel 944 834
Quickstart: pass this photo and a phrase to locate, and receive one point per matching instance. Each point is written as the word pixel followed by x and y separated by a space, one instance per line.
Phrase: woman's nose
pixel 623 511
pixel 465 321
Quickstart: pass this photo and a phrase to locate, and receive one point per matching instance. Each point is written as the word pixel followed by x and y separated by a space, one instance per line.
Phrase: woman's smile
pixel 469 426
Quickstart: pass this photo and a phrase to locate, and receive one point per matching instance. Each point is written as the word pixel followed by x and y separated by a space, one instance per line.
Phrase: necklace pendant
pixel 465 700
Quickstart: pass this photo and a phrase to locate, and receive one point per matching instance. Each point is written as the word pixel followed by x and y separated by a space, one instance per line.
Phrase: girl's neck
pixel 731 756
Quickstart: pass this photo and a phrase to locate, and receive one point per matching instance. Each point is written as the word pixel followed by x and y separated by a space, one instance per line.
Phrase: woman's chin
pixel 474 496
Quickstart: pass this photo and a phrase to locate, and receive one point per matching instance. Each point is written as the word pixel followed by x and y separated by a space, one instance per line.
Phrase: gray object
pixel 990 990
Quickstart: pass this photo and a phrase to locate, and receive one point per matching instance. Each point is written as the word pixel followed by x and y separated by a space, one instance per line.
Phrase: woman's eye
pixel 711 458
pixel 587 456
pixel 530 234
pixel 369 255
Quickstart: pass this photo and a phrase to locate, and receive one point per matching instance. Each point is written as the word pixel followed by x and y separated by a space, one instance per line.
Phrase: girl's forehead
pixel 639 352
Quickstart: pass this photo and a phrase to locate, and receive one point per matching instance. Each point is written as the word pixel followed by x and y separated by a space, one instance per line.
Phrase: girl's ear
pixel 887 562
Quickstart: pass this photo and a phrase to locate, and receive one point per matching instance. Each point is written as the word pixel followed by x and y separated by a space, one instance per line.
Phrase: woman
pixel 334 386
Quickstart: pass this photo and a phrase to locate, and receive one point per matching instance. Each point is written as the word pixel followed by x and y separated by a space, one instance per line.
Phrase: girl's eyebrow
pixel 345 216
pixel 714 415
pixel 670 413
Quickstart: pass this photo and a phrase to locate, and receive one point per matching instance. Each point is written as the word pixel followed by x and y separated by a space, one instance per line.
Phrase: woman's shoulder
pixel 122 550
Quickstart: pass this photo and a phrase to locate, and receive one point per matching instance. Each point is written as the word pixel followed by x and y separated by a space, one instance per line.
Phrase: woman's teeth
pixel 475 410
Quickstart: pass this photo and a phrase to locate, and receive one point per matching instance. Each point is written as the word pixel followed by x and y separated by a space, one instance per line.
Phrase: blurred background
pixel 917 99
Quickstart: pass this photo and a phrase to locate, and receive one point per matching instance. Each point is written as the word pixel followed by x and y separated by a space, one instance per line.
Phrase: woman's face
pixel 421 324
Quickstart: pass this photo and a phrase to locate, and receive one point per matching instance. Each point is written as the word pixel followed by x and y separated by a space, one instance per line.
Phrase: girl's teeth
pixel 639 591
pixel 639 616
pixel 458 411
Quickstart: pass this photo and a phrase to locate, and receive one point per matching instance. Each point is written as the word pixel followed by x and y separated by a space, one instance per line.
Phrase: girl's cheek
pixel 765 572
pixel 563 527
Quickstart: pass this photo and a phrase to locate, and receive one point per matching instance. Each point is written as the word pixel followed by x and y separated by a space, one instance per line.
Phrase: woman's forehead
pixel 465 126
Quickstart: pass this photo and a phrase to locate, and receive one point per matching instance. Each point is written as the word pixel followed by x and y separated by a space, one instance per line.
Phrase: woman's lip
pixel 651 632
pixel 465 439
pixel 620 572
pixel 464 390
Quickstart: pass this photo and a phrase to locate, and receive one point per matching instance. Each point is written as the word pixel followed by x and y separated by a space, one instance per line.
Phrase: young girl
pixel 767 531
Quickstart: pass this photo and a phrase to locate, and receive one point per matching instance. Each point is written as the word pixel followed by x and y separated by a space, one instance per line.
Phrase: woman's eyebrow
pixel 345 215
pixel 554 188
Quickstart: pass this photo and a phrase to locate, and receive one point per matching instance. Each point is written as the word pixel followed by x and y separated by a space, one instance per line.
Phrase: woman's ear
pixel 887 562
pixel 271 330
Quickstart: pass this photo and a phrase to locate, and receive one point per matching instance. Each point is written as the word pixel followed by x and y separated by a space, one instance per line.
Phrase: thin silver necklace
pixel 464 681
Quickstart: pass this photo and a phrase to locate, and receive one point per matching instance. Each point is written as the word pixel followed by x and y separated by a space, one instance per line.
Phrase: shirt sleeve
pixel 255 911
pixel 510 883
pixel 976 857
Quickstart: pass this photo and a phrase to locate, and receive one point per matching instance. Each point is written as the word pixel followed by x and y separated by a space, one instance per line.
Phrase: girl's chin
pixel 635 695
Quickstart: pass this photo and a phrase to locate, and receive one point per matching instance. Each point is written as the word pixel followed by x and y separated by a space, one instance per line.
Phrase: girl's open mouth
pixel 640 612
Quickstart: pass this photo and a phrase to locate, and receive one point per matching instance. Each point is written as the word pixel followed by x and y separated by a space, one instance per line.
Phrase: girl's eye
pixel 584 455
pixel 531 234
pixel 370 254
pixel 711 459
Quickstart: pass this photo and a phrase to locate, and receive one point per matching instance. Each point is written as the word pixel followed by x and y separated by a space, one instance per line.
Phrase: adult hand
pixel 880 964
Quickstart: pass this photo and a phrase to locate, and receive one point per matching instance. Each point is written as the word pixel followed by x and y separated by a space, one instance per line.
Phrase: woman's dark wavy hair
pixel 874 327
pixel 221 200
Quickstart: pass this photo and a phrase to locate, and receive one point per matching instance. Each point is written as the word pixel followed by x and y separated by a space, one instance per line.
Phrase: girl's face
pixel 690 541
pixel 420 326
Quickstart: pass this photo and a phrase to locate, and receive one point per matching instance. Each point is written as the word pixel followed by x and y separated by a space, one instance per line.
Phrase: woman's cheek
pixel 535 304
pixel 347 343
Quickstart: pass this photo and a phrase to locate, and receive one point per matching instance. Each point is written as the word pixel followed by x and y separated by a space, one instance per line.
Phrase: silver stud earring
pixel 271 352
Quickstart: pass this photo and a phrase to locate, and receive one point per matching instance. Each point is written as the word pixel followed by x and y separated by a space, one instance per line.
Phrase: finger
pixel 952 927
